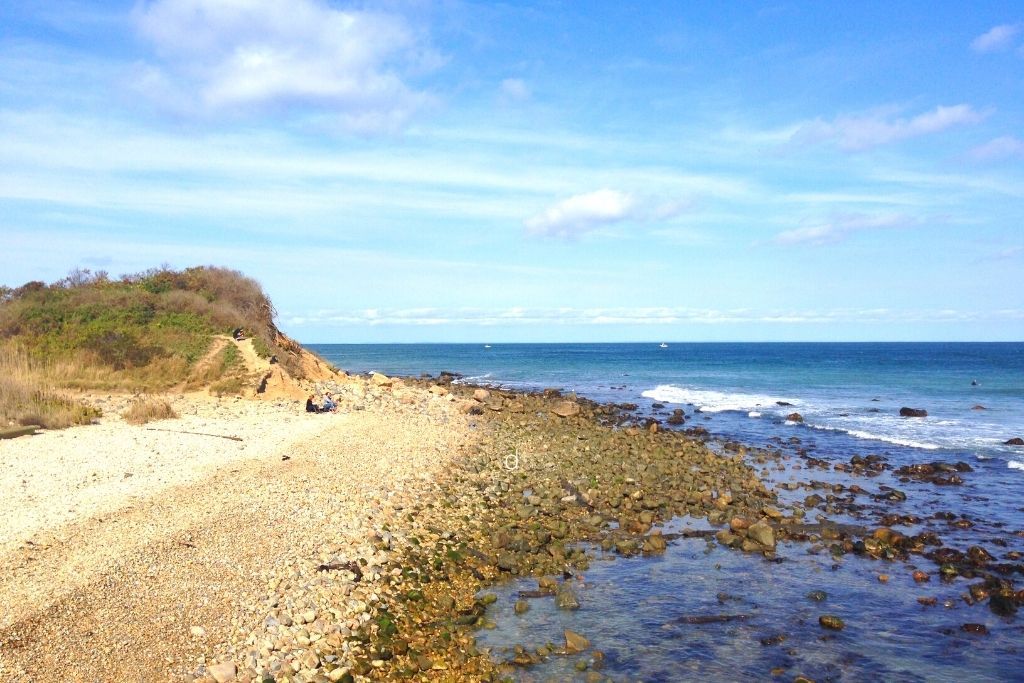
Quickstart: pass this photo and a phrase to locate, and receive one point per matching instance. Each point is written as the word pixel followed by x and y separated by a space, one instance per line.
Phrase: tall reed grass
pixel 29 396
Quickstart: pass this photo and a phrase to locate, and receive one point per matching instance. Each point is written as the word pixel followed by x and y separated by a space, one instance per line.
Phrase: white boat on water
pixel 487 346
pixel 664 345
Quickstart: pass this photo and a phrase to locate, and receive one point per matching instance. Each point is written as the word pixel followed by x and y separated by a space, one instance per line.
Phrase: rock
pixel 468 407
pixel 574 642
pixel 913 412
pixel 522 607
pixel 381 380
pixel 795 417
pixel 974 628
pixel 763 534
pixel 566 409
pixel 1002 605
pixel 223 672
pixel 1015 441
pixel 921 577
pixel 481 395
pixel 309 660
pixel 979 407
pixel 817 596
pixel 438 390
pixel 830 621
pixel 566 598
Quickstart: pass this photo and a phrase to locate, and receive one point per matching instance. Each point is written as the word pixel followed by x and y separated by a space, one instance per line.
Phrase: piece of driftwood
pixel 15 432
pixel 348 566
pixel 178 431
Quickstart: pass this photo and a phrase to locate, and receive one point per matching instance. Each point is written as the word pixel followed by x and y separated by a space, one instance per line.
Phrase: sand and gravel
pixel 134 553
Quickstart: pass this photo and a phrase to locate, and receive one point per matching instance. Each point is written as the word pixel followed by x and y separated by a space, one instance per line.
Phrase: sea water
pixel 849 396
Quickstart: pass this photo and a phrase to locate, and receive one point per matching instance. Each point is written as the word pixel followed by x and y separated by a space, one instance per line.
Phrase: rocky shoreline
pixel 549 477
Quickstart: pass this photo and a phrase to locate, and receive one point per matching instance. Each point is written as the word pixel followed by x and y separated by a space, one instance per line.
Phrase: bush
pixel 143 331
pixel 145 410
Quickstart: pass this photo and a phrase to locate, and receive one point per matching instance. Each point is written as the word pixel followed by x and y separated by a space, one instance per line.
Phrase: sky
pixel 532 171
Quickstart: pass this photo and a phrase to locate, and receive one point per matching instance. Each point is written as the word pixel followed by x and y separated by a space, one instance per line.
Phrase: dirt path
pixel 143 591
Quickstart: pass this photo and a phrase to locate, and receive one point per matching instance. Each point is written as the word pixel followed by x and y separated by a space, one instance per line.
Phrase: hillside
pixel 156 331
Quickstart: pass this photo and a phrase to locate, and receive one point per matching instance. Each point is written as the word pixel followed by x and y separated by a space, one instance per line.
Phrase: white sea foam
pixel 713 401
pixel 753 413
pixel 472 380
pixel 899 441
pixel 1015 465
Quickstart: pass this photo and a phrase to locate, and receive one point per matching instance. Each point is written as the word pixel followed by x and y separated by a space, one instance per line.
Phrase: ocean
pixel 849 396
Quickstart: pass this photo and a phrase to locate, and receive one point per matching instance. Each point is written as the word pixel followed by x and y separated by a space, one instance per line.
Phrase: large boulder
pixel 481 395
pixel 566 409
pixel 1015 441
pixel 913 412
pixel 762 534
pixel 381 380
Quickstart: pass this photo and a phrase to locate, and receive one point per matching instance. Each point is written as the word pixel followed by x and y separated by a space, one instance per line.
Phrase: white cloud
pixel 854 132
pixel 1004 147
pixel 840 227
pixel 996 38
pixel 235 56
pixel 586 212
pixel 515 90
pixel 582 213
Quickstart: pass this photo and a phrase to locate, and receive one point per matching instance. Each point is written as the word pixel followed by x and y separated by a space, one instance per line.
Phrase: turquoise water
pixel 849 396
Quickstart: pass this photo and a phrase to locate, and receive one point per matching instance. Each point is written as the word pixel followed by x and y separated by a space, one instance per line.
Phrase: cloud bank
pixel 254 54
pixel 653 316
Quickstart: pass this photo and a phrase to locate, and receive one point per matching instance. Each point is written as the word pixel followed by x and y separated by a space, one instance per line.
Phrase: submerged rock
pixel 574 642
pixel 566 598
pixel 832 622
pixel 1015 441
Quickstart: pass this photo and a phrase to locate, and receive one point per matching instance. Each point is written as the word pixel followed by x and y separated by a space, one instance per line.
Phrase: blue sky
pixel 536 171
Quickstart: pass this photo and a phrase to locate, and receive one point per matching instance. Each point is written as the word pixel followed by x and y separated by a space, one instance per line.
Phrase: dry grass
pixel 29 397
pixel 148 409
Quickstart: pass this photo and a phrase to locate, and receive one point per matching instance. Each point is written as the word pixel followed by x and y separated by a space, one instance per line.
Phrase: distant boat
pixel 664 345
pixel 487 346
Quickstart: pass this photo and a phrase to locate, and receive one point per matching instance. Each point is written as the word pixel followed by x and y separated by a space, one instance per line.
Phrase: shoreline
pixel 527 481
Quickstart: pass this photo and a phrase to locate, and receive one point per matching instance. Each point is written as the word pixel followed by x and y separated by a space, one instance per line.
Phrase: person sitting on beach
pixel 329 405
pixel 311 407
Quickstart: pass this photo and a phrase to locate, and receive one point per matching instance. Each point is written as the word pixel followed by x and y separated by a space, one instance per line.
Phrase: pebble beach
pixel 151 552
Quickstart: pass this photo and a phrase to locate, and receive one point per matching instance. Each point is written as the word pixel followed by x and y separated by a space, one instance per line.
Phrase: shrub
pixel 145 410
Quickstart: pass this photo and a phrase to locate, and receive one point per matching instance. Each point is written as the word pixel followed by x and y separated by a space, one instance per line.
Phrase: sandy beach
pixel 134 553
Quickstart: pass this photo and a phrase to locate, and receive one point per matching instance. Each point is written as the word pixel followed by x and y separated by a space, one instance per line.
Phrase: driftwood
pixel 15 432
pixel 178 431
pixel 348 566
